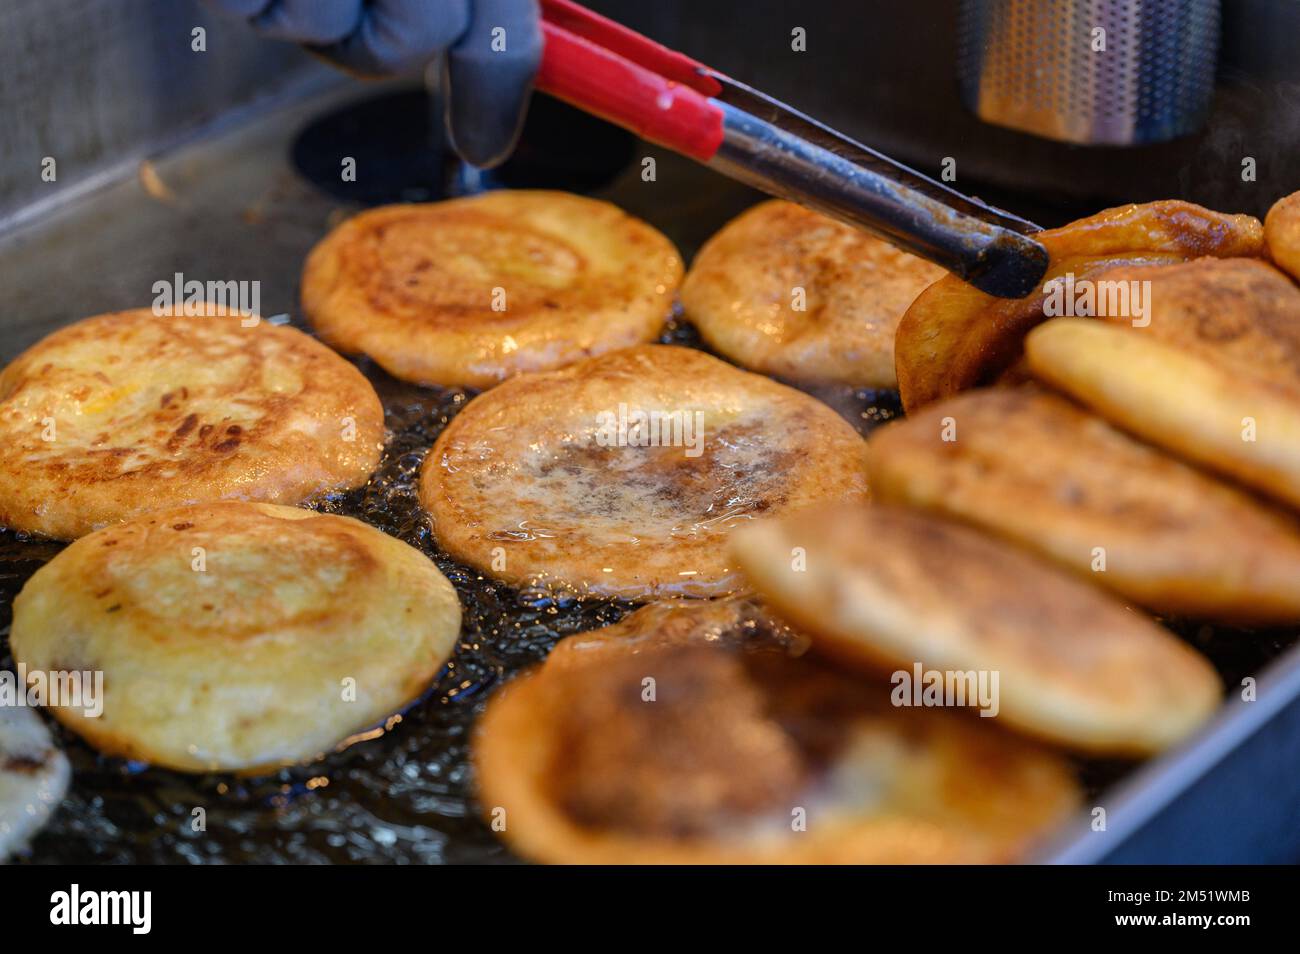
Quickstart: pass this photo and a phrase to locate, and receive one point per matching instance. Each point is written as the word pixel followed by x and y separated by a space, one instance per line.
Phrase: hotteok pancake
pixel 470 291
pixel 131 411
pixel 237 636
pixel 623 474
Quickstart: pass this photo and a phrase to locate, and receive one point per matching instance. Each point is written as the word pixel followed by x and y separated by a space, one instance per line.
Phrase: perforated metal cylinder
pixel 1114 72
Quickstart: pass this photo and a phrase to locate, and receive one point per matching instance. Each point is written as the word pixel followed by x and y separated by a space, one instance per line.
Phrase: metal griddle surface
pixel 242 211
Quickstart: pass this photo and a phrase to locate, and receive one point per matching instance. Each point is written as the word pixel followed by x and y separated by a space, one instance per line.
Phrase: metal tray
pixel 246 202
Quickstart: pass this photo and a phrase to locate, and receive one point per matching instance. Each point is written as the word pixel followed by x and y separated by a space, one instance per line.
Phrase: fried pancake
pixel 889 588
pixel 128 412
pixel 1282 233
pixel 535 482
pixel 703 754
pixel 470 291
pixel 740 294
pixel 237 636
pixel 34 776
pixel 955 337
pixel 1034 468
pixel 1214 377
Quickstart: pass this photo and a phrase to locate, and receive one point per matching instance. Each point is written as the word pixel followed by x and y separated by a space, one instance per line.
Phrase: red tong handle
pixel 628 79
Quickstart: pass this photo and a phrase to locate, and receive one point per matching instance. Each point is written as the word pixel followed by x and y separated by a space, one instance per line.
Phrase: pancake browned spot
pixel 789 292
pixel 127 412
pixel 1214 377
pixel 955 337
pixel 237 636
pixel 735 752
pixel 889 589
pixel 470 291
pixel 1037 469
pixel 566 478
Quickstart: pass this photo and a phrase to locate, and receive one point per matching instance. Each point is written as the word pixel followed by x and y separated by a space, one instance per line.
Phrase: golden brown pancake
pixel 470 291
pixel 1034 468
pixel 853 289
pixel 955 337
pixel 537 480
pixel 128 412
pixel 737 753
pixel 1214 377
pixel 1282 233
pixel 889 589
pixel 237 636
pixel 34 776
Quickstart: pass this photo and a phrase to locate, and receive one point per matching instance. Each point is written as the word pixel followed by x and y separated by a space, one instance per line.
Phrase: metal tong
pixel 667 98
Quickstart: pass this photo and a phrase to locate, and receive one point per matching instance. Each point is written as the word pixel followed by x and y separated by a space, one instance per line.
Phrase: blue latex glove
pixel 488 89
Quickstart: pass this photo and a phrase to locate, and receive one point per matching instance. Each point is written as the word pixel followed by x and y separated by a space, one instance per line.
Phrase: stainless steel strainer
pixel 1033 65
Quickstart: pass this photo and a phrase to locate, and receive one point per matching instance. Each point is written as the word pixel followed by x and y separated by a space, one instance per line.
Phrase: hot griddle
pixel 247 203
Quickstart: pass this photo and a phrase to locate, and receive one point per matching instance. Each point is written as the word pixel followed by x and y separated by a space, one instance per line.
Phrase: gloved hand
pixel 487 89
